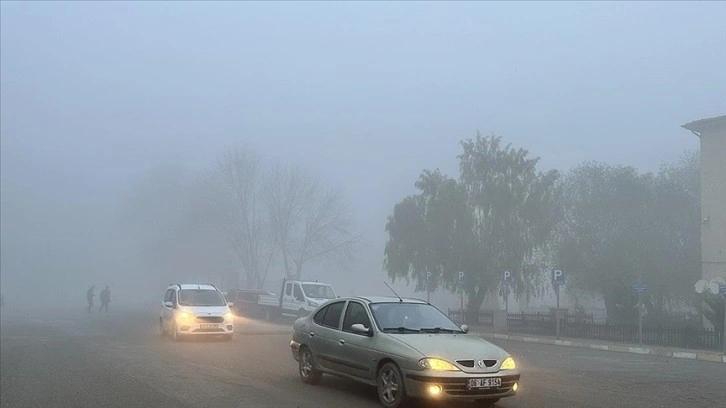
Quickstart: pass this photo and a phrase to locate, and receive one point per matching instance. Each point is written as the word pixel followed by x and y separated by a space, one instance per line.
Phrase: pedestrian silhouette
pixel 105 299
pixel 89 297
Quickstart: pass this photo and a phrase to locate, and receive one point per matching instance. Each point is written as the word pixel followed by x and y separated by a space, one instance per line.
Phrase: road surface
pixel 73 359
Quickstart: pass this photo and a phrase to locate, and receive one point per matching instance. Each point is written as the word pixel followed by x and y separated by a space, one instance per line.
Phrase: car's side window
pixel 355 314
pixel 318 318
pixel 288 289
pixel 167 295
pixel 332 317
pixel 174 299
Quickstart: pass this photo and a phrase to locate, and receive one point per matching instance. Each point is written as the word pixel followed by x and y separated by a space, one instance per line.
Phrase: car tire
pixel 306 367
pixel 391 387
pixel 484 403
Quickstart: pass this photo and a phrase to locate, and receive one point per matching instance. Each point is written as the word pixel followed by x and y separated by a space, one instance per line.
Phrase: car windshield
pixel 411 318
pixel 201 297
pixel 318 291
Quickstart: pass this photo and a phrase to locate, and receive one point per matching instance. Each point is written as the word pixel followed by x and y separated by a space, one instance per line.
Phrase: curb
pixel 694 355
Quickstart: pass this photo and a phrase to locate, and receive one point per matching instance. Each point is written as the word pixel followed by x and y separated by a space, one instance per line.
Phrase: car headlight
pixel 437 364
pixel 313 304
pixel 228 316
pixel 185 316
pixel 508 364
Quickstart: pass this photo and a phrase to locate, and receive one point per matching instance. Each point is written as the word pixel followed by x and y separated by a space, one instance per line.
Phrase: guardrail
pixel 674 334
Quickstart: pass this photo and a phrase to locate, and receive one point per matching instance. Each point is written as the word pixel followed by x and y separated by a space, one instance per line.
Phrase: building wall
pixel 713 202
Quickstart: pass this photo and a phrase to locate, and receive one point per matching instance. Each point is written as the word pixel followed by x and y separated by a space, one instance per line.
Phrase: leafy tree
pixel 621 227
pixel 493 218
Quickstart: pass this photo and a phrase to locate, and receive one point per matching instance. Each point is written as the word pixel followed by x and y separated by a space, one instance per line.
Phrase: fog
pixel 364 96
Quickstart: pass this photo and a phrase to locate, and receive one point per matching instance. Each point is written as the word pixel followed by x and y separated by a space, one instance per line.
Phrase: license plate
pixel 209 326
pixel 484 382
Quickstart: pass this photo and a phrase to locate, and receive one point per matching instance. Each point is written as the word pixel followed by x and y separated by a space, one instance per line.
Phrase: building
pixel 712 133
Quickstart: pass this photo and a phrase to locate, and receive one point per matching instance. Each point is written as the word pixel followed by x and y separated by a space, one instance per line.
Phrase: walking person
pixel 90 294
pixel 105 299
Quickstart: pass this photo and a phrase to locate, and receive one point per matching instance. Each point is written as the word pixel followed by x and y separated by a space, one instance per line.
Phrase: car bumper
pixel 455 385
pixel 199 329
pixel 295 348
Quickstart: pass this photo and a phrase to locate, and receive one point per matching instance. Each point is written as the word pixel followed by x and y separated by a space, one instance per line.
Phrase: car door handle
pixel 311 334
pixel 341 341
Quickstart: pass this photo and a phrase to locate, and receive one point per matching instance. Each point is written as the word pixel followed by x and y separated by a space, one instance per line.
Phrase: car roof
pixel 203 286
pixel 388 299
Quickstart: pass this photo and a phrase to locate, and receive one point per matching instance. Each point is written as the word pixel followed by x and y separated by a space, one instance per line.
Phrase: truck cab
pixel 299 298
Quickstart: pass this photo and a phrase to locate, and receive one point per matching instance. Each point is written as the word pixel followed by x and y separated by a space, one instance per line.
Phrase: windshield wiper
pixel 439 330
pixel 401 329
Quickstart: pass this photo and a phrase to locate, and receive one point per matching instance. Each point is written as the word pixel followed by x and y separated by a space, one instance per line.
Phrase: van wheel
pixel 391 390
pixel 308 373
pixel 175 333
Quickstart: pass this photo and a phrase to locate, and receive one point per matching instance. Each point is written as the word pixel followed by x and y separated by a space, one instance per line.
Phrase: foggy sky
pixel 364 94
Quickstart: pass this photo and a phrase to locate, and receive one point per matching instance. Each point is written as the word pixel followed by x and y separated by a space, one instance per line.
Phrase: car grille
pixel 209 319
pixel 470 363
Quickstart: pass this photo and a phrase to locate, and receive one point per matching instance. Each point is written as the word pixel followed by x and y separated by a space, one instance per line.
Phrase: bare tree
pixel 235 198
pixel 309 223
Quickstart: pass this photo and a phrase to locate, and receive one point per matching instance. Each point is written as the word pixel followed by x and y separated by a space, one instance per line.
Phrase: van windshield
pixel 201 297
pixel 318 291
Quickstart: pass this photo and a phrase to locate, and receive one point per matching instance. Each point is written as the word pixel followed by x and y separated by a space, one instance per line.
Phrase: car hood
pixel 205 310
pixel 452 347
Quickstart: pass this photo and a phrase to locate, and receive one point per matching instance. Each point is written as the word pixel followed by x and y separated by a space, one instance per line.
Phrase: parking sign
pixel 507 278
pixel 558 277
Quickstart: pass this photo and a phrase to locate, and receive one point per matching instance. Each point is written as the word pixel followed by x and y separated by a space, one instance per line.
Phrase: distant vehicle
pixel 195 309
pixel 296 299
pixel 247 302
pixel 405 347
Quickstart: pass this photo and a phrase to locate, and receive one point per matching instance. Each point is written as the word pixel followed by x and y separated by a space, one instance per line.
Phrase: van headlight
pixel 228 316
pixel 437 364
pixel 185 316
pixel 508 364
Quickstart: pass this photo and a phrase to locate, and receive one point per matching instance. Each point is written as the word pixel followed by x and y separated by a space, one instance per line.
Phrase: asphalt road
pixel 73 359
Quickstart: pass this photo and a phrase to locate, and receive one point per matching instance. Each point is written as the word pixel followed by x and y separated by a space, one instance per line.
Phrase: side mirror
pixel 360 329
pixel 230 304
pixel 465 328
pixel 168 304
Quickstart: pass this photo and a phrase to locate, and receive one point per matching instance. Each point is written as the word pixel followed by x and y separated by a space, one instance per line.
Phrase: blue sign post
pixel 558 279
pixel 507 281
pixel 461 288
pixel 640 288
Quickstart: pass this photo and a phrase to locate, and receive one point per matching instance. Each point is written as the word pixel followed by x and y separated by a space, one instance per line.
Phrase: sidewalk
pixel 703 355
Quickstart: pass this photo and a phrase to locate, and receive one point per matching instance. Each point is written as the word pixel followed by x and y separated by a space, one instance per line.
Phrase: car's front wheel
pixel 175 333
pixel 308 373
pixel 391 390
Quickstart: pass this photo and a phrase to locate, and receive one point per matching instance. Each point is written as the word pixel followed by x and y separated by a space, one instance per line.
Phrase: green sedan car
pixel 406 348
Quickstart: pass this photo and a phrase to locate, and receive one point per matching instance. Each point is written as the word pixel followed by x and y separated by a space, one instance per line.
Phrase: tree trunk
pixel 473 305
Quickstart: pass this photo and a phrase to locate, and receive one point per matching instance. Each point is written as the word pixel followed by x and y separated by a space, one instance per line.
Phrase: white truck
pixel 296 299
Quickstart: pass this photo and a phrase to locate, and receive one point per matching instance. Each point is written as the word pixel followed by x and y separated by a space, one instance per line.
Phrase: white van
pixel 298 298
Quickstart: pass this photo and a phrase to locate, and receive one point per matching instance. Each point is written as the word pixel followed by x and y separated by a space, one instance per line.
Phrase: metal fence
pixel 673 334
pixel 482 319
